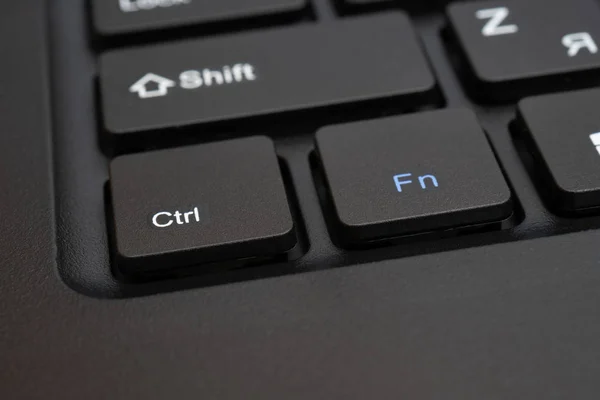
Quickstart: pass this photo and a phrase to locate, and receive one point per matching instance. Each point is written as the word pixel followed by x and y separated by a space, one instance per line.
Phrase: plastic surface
pixel 505 321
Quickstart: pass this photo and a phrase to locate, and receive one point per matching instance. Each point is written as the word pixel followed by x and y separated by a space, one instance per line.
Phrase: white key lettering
pixel 496 17
pixel 128 6
pixel 577 41
pixel 193 79
pixel 164 219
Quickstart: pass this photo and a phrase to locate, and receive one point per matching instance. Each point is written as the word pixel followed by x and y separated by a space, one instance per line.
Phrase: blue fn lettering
pixel 433 179
pixel 426 181
pixel 400 182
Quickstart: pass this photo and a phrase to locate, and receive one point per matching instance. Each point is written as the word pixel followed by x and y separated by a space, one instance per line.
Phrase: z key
pixel 514 48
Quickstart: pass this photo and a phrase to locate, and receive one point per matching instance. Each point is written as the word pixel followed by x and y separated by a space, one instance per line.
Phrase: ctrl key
pixel 201 204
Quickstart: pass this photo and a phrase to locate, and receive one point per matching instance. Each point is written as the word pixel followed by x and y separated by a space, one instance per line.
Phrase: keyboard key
pixel 364 3
pixel 261 73
pixel 563 131
pixel 429 5
pixel 128 16
pixel 412 174
pixel 360 2
pixel 515 47
pixel 199 204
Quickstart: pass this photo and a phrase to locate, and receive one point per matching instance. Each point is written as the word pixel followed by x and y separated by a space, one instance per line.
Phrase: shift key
pixel 206 81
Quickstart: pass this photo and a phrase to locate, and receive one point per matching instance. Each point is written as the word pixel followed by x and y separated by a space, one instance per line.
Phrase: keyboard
pixel 233 140
pixel 299 199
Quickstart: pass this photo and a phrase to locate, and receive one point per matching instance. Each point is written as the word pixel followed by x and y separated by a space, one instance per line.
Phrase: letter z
pixel 496 17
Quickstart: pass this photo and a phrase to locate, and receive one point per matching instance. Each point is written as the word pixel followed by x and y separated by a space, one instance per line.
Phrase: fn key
pixel 412 174
pixel 200 204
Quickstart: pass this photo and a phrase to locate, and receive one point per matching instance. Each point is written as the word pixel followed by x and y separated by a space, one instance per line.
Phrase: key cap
pixel 515 48
pixel 428 6
pixel 411 174
pixel 563 131
pixel 363 3
pixel 113 17
pixel 257 74
pixel 199 204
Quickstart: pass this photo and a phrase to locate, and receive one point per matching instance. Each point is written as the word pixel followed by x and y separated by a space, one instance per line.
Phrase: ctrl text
pixel 164 219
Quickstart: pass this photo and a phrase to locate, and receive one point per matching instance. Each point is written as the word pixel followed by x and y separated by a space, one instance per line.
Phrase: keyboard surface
pixel 396 132
pixel 400 197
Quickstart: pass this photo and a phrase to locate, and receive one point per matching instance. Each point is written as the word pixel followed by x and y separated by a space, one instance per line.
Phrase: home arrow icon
pixel 152 85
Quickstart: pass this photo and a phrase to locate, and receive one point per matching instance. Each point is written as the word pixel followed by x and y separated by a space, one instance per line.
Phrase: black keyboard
pixel 300 199
pixel 234 140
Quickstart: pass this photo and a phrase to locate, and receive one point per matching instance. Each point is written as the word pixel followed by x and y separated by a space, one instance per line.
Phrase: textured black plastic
pixel 569 161
pixel 488 320
pixel 278 71
pixel 412 174
pixel 533 58
pixel 123 17
pixel 199 204
pixel 83 150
